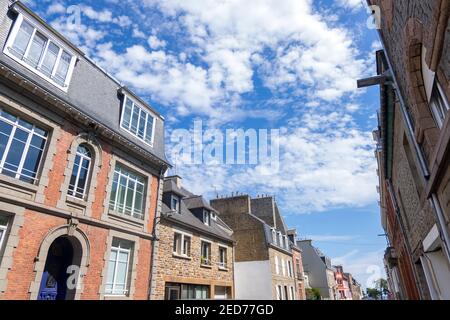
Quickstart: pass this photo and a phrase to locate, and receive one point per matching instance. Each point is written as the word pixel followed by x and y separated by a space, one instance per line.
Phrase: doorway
pixel 64 256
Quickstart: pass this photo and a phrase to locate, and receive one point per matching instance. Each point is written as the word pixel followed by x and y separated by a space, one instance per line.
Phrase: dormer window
pixel 137 121
pixel 175 203
pixel 206 217
pixel 274 236
pixel 33 48
pixel 280 239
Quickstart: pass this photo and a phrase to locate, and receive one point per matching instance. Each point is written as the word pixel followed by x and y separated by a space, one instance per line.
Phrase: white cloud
pixel 56 8
pixel 156 43
pixel 352 4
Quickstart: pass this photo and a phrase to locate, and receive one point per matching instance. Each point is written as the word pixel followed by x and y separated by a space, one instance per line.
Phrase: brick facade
pixel 41 214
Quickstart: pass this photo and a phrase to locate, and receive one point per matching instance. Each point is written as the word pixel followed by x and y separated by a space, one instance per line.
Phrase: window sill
pixel 116 297
pixel 180 256
pixel 223 269
pixel 206 266
pixel 124 218
pixel 4 179
pixel 76 201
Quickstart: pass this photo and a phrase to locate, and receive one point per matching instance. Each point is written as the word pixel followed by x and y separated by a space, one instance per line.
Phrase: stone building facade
pixel 195 254
pixel 263 255
pixel 414 136
pixel 79 186
pixel 297 261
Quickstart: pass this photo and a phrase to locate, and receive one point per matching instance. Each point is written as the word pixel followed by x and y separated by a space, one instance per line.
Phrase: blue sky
pixel 263 64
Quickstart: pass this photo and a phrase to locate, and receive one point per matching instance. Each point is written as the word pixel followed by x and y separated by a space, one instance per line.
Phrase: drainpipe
pixel 407 118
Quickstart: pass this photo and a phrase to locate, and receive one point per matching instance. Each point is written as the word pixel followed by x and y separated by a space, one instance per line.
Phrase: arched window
pixel 80 173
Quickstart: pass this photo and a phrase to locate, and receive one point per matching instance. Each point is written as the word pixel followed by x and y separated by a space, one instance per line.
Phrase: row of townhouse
pixel 86 211
pixel 331 281
pixel 413 145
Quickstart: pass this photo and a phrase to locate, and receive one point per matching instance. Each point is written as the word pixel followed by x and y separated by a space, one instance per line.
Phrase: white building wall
pixel 253 280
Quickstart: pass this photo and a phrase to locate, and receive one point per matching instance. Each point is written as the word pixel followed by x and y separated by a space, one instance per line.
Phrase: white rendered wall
pixel 253 280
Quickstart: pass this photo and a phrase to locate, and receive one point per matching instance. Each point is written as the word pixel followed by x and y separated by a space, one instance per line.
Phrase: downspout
pixel 155 241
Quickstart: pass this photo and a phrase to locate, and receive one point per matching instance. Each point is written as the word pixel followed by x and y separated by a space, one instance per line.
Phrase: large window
pixel 119 264
pixel 182 244
pixel 44 56
pixel 21 147
pixel 127 193
pixel 137 121
pixel 438 105
pixel 176 291
pixel 205 255
pixel 222 257
pixel 80 173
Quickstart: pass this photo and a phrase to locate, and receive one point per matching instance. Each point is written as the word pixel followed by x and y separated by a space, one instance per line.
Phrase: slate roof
pixel 186 217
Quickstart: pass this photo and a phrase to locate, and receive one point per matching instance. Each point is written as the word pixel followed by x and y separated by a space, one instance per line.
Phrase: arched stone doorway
pixel 65 248
pixel 63 260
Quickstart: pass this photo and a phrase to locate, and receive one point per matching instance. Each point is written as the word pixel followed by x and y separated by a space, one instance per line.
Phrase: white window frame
pixel 207 214
pixel 279 292
pixel 209 252
pixel 274 237
pixel 292 293
pixel 3 236
pixel 119 250
pixel 183 235
pixel 280 239
pixel 31 133
pixel 22 16
pixel 437 91
pixel 178 199
pixel 136 182
pixel 141 109
pixel 223 264
pixel 283 267
pixel 75 187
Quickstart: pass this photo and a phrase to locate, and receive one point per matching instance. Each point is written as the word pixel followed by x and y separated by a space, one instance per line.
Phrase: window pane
pixel 73 177
pixel 112 201
pixel 63 68
pixel 121 196
pixel 5 132
pixel 134 120
pixel 129 199
pixel 36 49
pixel 15 153
pixel 111 271
pixel 127 114
pixel 22 39
pixel 142 120
pixel 50 59
pixel 32 159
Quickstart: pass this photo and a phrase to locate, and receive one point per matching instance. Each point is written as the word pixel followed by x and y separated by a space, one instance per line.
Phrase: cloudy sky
pixel 290 65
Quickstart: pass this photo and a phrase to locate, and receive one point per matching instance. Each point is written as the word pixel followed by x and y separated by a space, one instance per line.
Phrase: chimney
pixel 175 178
